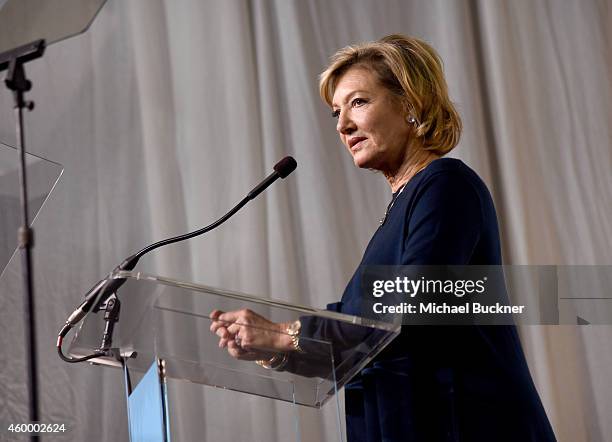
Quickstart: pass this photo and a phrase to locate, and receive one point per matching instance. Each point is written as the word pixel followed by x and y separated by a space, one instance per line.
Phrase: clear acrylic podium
pixel 163 333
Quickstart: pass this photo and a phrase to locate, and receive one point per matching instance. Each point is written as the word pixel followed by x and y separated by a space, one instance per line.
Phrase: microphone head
pixel 285 166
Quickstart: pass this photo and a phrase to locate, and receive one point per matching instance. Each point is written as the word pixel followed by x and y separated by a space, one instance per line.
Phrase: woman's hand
pixel 249 336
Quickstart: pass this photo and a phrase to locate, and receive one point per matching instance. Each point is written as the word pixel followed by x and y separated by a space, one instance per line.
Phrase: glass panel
pixel 170 320
pixel 42 176
pixel 24 21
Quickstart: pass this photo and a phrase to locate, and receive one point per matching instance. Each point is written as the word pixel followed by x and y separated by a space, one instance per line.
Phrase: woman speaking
pixel 432 383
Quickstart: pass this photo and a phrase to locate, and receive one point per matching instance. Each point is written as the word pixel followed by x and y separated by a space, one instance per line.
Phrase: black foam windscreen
pixel 285 166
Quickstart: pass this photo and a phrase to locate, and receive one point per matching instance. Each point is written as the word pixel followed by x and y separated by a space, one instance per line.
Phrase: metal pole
pixel 17 82
pixel 25 242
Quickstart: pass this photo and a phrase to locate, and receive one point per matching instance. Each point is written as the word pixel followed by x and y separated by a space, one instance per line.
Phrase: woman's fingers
pixel 232 346
pixel 216 322
pixel 235 350
pixel 243 332
pixel 232 316
pixel 233 329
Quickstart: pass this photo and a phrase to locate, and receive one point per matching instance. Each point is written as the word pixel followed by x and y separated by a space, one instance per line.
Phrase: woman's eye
pixel 355 102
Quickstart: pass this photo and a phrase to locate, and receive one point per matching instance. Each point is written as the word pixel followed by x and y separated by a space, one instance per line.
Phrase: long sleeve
pixel 445 222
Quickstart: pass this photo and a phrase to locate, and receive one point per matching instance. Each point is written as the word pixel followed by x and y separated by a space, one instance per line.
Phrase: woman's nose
pixel 345 124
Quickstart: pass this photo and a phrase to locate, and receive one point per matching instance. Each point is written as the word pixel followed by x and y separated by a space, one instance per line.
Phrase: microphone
pixel 281 170
pixel 100 292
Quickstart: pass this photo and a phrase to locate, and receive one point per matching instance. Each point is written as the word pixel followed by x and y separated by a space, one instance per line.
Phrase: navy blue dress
pixel 442 383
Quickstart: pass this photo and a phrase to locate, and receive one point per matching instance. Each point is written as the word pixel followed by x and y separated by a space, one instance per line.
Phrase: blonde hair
pixel 412 70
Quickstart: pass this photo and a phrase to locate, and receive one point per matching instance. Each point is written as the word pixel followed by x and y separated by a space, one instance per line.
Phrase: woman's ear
pixel 409 113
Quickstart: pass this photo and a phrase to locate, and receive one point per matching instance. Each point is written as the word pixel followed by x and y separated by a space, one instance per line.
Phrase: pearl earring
pixel 411 120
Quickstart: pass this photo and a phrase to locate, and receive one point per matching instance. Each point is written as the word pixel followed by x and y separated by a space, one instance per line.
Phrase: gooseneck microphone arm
pixel 103 289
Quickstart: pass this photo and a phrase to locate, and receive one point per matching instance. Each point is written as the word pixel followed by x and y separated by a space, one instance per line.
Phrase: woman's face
pixel 371 121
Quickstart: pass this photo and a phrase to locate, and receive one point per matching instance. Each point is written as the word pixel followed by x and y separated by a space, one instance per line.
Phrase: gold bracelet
pixel 293 330
pixel 276 362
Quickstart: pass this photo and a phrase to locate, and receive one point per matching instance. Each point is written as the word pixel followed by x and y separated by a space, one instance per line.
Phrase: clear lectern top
pixel 165 319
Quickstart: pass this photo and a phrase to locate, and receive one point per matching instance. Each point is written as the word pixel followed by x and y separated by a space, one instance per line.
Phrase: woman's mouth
pixel 355 143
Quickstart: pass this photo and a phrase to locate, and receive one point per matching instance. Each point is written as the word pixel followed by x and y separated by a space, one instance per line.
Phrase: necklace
pixel 396 195
pixel 392 202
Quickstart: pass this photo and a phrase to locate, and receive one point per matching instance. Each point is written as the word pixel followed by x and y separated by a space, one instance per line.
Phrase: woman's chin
pixel 358 158
pixel 362 161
